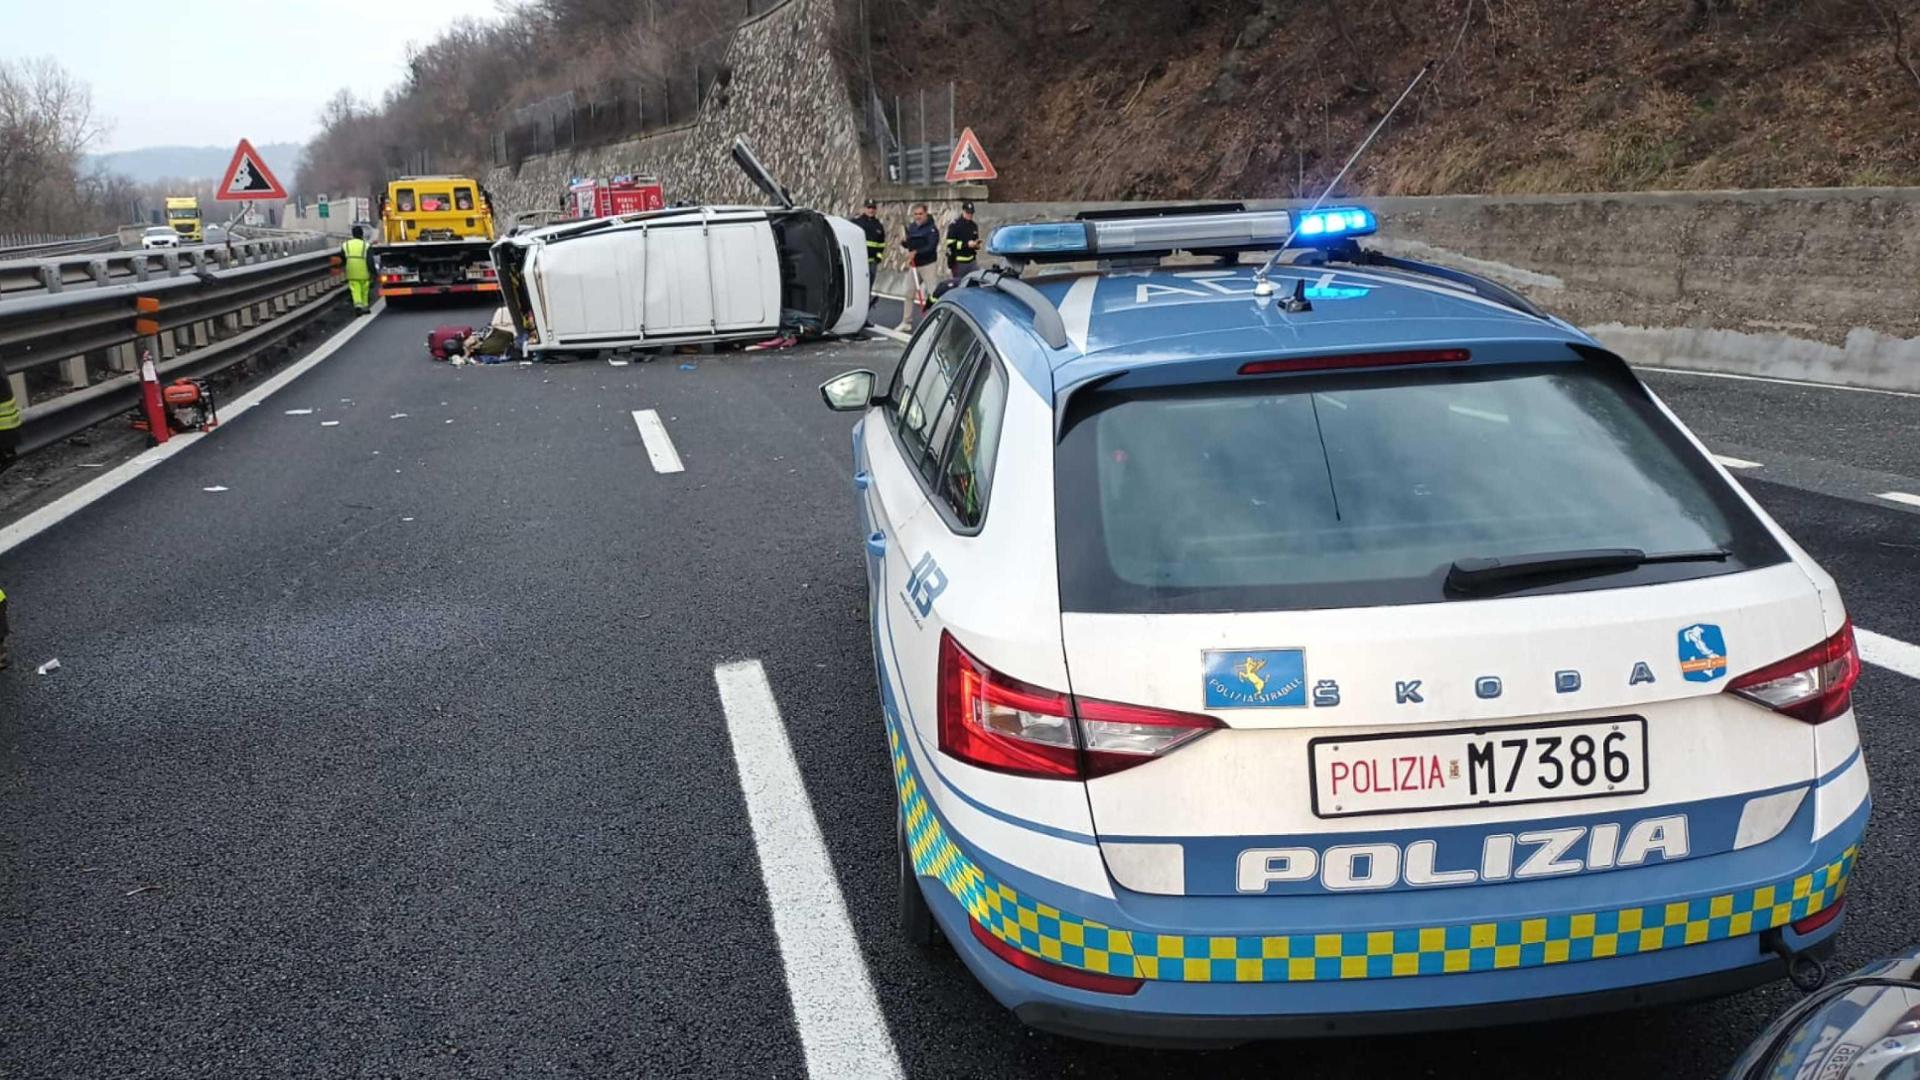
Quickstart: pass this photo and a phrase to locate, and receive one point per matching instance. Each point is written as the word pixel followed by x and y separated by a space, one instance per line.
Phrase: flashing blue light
pixel 1337 224
pixel 1052 238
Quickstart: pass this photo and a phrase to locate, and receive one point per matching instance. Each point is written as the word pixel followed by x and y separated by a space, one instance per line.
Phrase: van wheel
pixel 916 918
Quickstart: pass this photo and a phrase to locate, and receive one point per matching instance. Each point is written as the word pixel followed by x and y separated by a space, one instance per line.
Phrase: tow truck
pixel 435 233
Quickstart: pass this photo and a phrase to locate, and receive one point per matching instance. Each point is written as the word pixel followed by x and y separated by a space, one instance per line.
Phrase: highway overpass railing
pixel 32 246
pixel 71 347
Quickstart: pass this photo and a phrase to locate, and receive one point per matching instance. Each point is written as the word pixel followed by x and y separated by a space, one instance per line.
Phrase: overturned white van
pixel 687 275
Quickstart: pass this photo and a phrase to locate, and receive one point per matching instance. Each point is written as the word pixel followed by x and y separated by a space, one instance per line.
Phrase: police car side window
pixel 924 414
pixel 967 472
pixel 911 362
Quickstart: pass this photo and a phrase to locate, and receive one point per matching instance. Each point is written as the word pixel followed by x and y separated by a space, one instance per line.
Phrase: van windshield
pixel 1362 490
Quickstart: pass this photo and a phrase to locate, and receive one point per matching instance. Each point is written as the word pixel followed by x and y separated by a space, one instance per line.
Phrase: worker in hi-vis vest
pixel 353 259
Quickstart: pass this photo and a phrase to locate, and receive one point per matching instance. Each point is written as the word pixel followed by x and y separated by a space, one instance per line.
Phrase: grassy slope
pixel 1166 98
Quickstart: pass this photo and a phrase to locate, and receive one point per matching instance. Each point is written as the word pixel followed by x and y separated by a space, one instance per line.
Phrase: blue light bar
pixel 1105 237
pixel 1334 224
pixel 1028 241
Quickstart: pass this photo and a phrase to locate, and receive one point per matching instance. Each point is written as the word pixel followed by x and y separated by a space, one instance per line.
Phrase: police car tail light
pixel 1003 724
pixel 1815 685
pixel 1120 736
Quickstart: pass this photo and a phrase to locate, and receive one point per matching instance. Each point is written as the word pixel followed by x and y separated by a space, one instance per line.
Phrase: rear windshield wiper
pixel 1488 574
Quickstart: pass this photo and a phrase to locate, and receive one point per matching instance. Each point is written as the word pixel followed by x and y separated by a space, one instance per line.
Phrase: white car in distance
pixel 159 236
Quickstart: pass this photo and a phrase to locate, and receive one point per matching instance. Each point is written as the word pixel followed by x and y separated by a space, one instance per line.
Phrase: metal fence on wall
pixel 619 108
pixel 912 134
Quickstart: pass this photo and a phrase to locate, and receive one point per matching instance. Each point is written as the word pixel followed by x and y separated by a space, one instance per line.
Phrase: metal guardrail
pixel 15 246
pixel 194 320
pixel 23 277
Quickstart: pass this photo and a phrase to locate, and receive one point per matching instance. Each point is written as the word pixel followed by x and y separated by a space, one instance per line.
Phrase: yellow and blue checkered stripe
pixel 1068 939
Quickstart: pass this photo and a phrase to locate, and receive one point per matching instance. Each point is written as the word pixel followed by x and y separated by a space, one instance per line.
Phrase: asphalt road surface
pixel 402 754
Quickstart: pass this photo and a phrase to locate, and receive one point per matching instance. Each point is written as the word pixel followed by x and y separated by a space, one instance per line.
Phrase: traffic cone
pixel 150 400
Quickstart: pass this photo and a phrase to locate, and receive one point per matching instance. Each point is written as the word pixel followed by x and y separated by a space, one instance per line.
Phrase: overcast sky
pixel 211 72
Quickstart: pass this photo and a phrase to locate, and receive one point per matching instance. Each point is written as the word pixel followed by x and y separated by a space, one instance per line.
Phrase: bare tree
pixel 46 124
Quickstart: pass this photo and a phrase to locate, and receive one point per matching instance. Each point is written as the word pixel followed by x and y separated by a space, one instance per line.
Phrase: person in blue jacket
pixel 923 254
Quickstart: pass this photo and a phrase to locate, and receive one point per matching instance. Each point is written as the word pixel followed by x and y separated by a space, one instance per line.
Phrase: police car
pixel 1335 645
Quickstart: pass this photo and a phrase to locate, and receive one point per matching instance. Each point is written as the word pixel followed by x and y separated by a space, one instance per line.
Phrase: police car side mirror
pixel 849 391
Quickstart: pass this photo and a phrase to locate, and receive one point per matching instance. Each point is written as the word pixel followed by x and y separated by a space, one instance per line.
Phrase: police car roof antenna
pixel 1263 287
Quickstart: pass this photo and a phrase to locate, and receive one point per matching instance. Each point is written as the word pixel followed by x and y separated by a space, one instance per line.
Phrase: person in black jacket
pixel 869 223
pixel 963 242
pixel 923 247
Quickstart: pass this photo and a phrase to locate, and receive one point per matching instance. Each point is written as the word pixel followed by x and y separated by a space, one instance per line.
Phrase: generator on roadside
pixel 187 405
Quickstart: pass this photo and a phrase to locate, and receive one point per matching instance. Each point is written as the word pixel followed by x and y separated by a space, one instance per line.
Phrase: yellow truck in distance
pixel 435 232
pixel 183 214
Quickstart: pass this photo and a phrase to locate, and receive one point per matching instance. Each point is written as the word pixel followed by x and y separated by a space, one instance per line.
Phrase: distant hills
pixel 151 163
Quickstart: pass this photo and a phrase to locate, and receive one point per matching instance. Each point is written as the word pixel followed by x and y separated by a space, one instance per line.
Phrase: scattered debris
pixel 215 487
pixel 141 889
pixel 449 421
pixel 617 363
pixel 93 464
pixel 329 423
pixel 398 416
pixel 299 412
pixel 48 667
pixel 688 367
pixel 406 519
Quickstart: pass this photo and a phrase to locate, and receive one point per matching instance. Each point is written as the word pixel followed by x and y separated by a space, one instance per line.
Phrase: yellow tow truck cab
pixel 183 214
pixel 435 232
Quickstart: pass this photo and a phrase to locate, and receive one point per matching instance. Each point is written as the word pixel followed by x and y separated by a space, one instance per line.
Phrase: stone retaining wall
pixel 783 90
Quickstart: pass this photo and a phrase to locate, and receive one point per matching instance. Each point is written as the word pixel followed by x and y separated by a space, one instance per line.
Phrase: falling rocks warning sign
pixel 248 177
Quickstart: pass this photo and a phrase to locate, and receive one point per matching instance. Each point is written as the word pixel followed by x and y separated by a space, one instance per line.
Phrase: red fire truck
pixel 591 198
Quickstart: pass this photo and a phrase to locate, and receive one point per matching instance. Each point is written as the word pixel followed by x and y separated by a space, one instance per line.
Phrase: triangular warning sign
pixel 969 161
pixel 247 177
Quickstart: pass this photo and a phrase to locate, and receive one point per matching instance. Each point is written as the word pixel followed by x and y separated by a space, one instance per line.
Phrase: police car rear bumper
pixel 1192 1015
pixel 1130 1028
pixel 1212 1002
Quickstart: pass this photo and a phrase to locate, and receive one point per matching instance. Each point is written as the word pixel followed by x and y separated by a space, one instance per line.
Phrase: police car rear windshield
pixel 1362 490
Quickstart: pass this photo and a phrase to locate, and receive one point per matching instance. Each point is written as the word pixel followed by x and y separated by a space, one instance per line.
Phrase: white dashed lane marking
pixel 1900 497
pixel 660 449
pixel 834 1007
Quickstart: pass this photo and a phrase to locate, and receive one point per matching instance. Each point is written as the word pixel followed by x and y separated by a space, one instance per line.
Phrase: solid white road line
pixel 834 1006
pixel 660 449
pixel 1890 653
pixel 1899 497
pixel 1774 379
pixel 94 490
pixel 1736 463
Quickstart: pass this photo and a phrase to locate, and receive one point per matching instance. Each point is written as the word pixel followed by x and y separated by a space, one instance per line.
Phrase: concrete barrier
pixel 1821 284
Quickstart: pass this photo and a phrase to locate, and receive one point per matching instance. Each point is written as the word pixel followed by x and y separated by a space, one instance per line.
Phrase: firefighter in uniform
pixel 353 259
pixel 963 243
pixel 869 223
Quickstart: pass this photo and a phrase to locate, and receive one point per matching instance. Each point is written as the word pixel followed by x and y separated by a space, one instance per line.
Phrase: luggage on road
pixel 445 342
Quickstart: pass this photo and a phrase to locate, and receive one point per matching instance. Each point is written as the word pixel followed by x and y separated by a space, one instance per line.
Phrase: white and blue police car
pixel 1331 646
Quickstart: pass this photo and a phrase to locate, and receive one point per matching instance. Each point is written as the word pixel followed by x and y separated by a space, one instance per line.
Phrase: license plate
pixel 1444 770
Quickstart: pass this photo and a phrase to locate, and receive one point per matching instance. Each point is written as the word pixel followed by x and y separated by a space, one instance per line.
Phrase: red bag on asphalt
pixel 445 341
